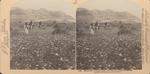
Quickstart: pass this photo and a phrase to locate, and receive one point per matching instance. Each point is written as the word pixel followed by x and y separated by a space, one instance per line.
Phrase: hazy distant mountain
pixel 39 15
pixel 85 15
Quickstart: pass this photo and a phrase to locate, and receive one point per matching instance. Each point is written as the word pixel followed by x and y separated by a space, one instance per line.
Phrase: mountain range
pixel 40 15
pixel 82 15
pixel 86 15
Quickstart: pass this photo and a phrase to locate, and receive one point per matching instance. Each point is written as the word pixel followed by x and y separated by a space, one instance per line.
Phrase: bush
pixel 124 29
pixel 60 29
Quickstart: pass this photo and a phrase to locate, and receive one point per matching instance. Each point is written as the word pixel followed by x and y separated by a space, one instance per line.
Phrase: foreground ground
pixel 40 49
pixel 110 48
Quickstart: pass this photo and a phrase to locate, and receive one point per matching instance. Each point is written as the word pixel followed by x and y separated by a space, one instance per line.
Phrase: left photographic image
pixel 42 35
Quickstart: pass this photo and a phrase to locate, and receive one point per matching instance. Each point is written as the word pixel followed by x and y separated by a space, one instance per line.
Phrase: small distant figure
pixel 26 28
pixel 91 28
pixel 40 23
pixel 30 25
pixel 96 25
pixel 105 24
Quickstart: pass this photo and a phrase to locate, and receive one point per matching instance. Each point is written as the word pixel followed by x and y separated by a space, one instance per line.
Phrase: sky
pixel 53 5
pixel 68 8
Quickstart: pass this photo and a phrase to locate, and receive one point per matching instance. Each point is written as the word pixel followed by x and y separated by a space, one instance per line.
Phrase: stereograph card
pixel 74 36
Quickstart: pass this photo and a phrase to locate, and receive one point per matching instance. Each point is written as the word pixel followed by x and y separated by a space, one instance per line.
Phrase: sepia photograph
pixel 109 35
pixel 74 36
pixel 42 35
pixel 97 35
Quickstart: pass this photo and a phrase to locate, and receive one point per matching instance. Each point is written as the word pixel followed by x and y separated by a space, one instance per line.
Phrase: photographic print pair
pixel 53 35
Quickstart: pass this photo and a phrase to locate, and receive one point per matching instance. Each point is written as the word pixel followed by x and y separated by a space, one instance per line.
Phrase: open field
pixel 114 47
pixel 41 48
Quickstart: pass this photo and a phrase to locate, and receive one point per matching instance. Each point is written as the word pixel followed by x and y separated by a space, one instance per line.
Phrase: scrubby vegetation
pixel 41 49
pixel 115 47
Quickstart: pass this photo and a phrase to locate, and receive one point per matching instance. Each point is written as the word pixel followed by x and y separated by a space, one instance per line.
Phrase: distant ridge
pixel 40 14
pixel 85 15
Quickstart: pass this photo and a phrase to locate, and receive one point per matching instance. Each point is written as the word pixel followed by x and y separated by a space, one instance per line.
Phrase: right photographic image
pixel 109 35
